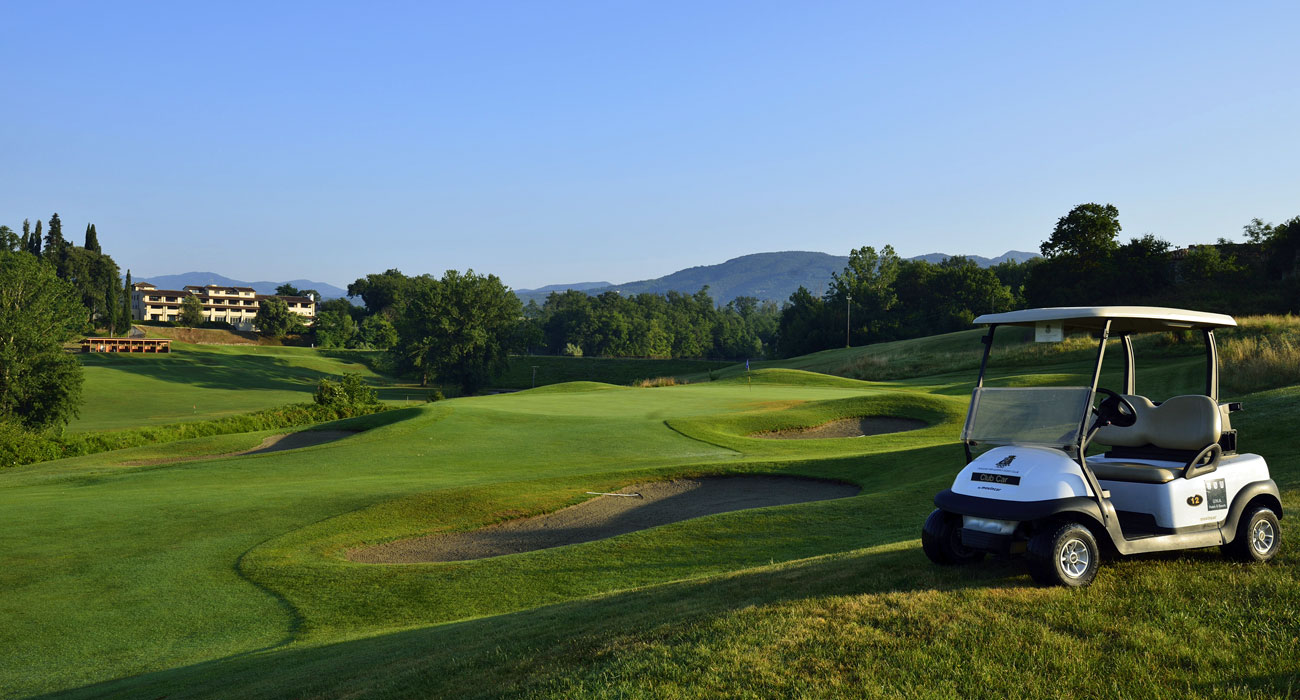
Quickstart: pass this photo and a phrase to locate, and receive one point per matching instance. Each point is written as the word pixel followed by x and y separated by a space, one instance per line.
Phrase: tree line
pixel 647 325
pixel 91 272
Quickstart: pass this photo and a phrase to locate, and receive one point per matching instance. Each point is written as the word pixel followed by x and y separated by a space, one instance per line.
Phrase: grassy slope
pixel 197 382
pixel 831 598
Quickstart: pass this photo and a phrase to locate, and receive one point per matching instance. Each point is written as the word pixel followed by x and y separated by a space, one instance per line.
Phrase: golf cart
pixel 1171 479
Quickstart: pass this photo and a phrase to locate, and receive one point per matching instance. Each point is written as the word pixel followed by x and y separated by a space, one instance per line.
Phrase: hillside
pixel 766 276
pixel 327 290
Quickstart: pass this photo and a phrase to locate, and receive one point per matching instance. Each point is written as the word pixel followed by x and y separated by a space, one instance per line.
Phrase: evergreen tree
pixel 34 245
pixel 8 240
pixel 124 315
pixel 26 244
pixel 191 312
pixel 54 241
pixel 92 239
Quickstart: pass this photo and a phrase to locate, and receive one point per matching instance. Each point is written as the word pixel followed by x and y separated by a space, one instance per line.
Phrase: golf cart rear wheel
pixel 1064 555
pixel 1259 536
pixel 941 540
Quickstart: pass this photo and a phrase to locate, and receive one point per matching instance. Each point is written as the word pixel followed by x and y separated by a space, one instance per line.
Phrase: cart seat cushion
pixel 1182 423
pixel 1134 473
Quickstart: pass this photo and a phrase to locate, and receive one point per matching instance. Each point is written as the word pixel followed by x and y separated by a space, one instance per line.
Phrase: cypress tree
pixel 54 241
pixel 27 236
pixel 92 239
pixel 35 248
pixel 124 315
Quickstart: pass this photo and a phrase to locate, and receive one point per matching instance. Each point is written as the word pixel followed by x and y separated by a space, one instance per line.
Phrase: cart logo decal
pixel 1007 461
pixel 1195 500
pixel 995 478
pixel 1216 492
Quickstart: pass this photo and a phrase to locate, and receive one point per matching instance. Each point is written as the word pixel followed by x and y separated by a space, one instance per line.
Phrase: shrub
pixel 658 381
pixel 347 393
pixel 572 350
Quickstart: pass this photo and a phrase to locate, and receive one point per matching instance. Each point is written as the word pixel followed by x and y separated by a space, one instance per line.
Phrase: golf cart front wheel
pixel 1259 536
pixel 1065 555
pixel 941 540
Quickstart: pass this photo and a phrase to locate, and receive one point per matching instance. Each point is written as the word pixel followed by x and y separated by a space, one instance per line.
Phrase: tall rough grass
pixel 658 381
pixel 1262 352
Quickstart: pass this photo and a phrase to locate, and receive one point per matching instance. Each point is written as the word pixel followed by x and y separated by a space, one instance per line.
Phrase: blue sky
pixel 566 142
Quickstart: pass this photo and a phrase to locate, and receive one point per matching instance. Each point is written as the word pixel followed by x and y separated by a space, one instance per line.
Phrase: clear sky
pixel 559 142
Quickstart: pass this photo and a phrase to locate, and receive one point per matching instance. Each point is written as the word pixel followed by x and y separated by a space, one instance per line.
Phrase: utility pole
pixel 534 376
pixel 848 311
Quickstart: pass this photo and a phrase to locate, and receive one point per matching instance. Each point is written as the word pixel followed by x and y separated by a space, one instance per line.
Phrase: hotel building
pixel 234 305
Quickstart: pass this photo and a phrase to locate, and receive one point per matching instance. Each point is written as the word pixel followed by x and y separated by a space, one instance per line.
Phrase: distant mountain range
pixel 202 279
pixel 767 276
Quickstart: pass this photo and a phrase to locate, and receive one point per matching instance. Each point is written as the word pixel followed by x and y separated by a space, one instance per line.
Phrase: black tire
pixel 941 540
pixel 1258 538
pixel 1063 555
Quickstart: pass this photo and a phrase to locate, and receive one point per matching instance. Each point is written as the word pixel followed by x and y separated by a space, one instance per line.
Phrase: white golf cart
pixel 1172 477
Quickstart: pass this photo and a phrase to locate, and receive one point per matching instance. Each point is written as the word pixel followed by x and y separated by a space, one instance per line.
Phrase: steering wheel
pixel 1115 410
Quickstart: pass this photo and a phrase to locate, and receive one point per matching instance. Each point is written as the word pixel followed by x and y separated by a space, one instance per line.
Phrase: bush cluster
pixel 346 394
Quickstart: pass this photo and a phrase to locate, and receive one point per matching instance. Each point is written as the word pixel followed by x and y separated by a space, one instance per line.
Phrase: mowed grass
pixel 226 577
pixel 551 369
pixel 198 382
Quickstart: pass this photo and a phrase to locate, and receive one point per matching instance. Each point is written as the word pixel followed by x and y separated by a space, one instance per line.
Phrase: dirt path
pixel 273 443
pixel 606 516
pixel 847 427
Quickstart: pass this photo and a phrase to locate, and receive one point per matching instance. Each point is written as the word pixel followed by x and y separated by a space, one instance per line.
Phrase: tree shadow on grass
pixel 495 655
pixel 212 371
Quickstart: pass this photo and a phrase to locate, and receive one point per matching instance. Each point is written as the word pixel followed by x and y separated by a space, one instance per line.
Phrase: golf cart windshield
pixel 1047 416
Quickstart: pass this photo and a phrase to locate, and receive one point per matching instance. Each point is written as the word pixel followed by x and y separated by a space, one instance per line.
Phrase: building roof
pixel 307 300
pixel 165 292
pixel 1124 319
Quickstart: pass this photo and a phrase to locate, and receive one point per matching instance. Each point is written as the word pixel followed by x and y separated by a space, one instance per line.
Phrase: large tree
pixel 862 295
pixel 191 311
pixel 1089 232
pixel 40 385
pixel 55 244
pixel 8 240
pixel 457 328
pixel 275 319
pixel 334 329
pixel 92 239
pixel 381 293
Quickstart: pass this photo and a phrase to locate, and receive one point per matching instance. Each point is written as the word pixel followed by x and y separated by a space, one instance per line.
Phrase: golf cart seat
pixel 1183 429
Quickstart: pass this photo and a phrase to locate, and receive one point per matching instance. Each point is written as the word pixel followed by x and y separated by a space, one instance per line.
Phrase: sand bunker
pixel 273 443
pixel 847 427
pixel 606 516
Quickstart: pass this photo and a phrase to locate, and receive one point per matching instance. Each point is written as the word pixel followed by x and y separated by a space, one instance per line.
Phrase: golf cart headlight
pixel 995 527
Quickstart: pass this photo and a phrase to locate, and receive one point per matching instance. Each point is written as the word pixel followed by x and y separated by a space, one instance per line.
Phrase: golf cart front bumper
pixel 996 520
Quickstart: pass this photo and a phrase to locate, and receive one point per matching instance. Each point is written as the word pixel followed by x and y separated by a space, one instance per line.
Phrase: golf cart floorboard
pixel 1139 526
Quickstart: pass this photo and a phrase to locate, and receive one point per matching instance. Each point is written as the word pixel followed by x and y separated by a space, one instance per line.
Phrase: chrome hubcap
pixel 1262 537
pixel 1074 558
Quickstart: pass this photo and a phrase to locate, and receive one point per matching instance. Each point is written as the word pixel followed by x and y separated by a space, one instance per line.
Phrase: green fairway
pixel 227 577
pixel 551 369
pixel 197 382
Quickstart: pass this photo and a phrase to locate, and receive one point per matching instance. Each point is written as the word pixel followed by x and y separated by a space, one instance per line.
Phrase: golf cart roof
pixel 1124 319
